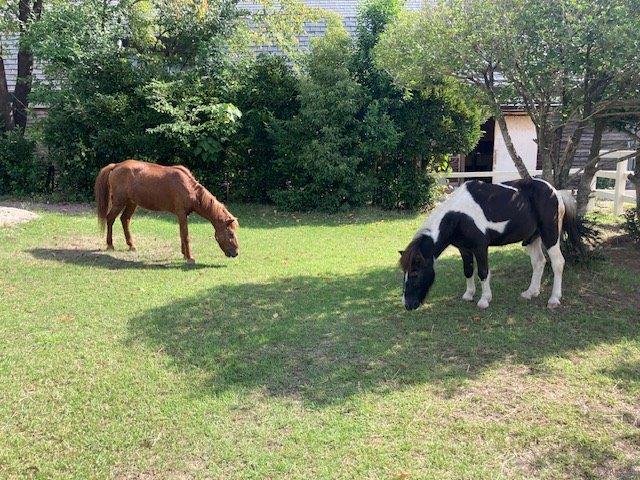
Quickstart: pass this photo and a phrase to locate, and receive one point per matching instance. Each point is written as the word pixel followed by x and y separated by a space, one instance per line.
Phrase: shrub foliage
pixel 172 84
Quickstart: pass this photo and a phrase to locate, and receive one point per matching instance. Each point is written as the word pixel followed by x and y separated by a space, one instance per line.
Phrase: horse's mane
pixel 206 200
pixel 410 254
pixel 209 203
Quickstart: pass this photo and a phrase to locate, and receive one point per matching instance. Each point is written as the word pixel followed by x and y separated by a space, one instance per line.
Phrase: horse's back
pixel 152 186
pixel 505 202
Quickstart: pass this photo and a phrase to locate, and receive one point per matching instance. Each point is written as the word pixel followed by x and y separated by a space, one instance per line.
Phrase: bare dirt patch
pixel 621 248
pixel 71 208
pixel 12 216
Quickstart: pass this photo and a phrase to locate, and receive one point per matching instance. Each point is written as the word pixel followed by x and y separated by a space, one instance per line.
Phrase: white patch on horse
pixel 406 276
pixel 507 186
pixel 546 183
pixel 486 296
pixel 471 289
pixel 460 201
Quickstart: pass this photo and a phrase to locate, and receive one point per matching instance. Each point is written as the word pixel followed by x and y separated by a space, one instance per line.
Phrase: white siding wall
pixel 10 56
pixel 523 134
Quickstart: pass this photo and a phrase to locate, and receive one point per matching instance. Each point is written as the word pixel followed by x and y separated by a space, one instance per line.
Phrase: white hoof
pixel 468 296
pixel 528 294
pixel 553 303
pixel 483 303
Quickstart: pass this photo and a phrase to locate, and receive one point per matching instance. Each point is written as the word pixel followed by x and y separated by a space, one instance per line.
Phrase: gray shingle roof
pixel 347 9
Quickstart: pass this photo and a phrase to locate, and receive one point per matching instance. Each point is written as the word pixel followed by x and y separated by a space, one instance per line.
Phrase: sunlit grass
pixel 297 360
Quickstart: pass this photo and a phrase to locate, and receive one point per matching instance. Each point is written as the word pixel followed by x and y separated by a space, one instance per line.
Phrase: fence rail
pixel 619 195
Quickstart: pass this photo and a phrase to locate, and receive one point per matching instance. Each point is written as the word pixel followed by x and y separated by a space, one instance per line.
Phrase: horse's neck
pixel 209 207
pixel 441 239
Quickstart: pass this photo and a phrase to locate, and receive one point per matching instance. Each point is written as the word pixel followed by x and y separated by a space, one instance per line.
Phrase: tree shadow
pixel 325 339
pixel 102 259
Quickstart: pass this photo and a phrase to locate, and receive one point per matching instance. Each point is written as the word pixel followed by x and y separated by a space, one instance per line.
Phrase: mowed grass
pixel 297 359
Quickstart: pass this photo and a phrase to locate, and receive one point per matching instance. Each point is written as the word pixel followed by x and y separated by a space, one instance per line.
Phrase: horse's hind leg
pixel 557 263
pixel 125 218
pixel 550 232
pixel 116 208
pixel 467 265
pixel 538 262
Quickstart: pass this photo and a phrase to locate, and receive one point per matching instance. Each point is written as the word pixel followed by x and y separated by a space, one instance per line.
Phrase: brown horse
pixel 121 187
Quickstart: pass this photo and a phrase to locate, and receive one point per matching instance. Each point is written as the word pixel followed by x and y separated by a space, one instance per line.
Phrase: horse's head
pixel 417 264
pixel 227 237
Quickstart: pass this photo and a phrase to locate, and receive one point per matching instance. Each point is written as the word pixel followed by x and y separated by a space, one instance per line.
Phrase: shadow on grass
pixel 324 339
pixel 102 259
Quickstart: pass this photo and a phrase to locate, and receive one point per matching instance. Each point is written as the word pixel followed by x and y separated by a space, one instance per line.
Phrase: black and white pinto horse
pixel 479 215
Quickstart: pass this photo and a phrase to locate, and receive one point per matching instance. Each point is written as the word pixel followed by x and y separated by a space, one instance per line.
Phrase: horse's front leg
pixel 482 260
pixel 184 238
pixel 467 265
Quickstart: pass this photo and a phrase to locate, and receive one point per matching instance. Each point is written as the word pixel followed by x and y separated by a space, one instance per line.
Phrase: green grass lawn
pixel 297 359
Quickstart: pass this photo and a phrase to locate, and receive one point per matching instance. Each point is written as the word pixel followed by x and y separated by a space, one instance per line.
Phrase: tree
pixel 320 147
pixel 155 79
pixel 359 139
pixel 18 17
pixel 566 62
pixel 420 128
pixel 269 94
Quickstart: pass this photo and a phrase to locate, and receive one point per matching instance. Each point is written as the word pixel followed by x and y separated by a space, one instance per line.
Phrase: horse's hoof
pixel 133 249
pixel 553 303
pixel 529 295
pixel 190 261
pixel 468 296
pixel 483 303
pixel 110 248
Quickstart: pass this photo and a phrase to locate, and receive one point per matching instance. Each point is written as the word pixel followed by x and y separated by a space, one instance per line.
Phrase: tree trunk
pixel 590 169
pixel 565 161
pixel 517 159
pixel 25 63
pixel 635 179
pixel 542 156
pixel 5 100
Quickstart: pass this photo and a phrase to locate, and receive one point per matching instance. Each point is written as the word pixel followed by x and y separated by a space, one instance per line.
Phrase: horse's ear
pixel 230 221
pixel 400 252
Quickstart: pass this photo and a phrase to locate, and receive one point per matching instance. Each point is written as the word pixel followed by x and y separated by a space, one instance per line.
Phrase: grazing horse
pixel 479 215
pixel 121 187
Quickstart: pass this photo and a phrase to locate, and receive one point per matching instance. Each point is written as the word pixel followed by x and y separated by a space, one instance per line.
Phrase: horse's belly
pixel 517 233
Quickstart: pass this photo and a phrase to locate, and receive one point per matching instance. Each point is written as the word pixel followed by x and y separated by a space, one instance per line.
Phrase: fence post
pixel 592 193
pixel 620 187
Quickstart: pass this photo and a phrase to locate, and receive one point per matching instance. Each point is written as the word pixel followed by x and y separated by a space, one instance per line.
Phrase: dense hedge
pixel 329 132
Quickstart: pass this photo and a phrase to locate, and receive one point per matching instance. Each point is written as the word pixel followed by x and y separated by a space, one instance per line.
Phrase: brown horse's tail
pixel 103 194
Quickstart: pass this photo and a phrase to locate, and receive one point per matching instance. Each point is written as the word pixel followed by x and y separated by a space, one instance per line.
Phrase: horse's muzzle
pixel 411 305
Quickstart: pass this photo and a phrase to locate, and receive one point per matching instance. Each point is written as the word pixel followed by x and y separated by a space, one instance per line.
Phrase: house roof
pixel 347 9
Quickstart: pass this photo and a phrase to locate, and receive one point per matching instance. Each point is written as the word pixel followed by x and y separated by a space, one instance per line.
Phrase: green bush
pixel 632 223
pixel 320 148
pixel 21 172
pixel 100 116
pixel 268 95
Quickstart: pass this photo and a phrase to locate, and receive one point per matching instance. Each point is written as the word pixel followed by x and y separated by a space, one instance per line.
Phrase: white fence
pixel 619 194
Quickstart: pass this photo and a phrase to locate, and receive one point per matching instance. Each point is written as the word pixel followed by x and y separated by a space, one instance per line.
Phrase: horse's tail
pixel 570 222
pixel 579 231
pixel 103 193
